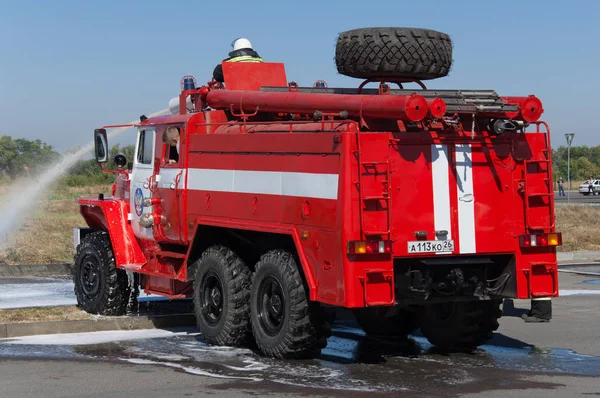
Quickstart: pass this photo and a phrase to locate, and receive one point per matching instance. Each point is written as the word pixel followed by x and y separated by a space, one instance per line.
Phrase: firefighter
pixel 541 310
pixel 171 137
pixel 242 52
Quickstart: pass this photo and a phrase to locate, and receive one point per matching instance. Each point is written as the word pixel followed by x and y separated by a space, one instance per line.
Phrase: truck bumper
pixel 457 278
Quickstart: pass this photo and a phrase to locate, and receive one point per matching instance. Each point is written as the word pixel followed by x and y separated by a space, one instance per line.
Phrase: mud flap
pixel 79 234
pixel 542 279
pixel 378 287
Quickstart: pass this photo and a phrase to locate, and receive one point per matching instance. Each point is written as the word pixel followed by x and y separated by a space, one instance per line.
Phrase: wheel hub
pixel 275 305
pixel 215 296
pixel 271 308
pixel 90 277
pixel 211 295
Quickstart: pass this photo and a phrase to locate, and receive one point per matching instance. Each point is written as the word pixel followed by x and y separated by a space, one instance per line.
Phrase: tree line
pixel 585 162
pixel 23 158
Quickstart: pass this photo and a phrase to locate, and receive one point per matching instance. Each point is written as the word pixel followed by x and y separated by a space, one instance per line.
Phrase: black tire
pixel 406 53
pixel 221 297
pixel 376 322
pixel 284 323
pixel 100 287
pixel 461 325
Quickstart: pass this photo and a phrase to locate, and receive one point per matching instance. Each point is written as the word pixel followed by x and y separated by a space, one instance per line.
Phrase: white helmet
pixel 240 43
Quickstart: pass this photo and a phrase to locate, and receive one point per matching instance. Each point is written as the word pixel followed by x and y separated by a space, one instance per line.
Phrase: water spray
pixel 21 201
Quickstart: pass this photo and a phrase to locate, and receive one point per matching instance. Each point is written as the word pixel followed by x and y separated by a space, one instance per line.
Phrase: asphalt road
pixel 576 197
pixel 557 359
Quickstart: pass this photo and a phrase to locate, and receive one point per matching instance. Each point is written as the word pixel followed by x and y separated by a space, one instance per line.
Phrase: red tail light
pixel 369 247
pixel 541 240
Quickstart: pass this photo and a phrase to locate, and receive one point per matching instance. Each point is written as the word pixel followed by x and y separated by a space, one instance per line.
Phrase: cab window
pixel 145 147
pixel 171 139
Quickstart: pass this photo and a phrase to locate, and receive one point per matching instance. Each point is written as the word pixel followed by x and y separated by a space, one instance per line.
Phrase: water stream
pixel 22 199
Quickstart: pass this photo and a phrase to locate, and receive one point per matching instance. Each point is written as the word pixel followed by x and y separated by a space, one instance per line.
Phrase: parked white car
pixel 584 188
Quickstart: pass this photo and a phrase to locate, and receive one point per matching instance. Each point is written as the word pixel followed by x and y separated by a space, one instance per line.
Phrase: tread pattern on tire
pixel 116 292
pixel 471 326
pixel 236 330
pixel 409 53
pixel 309 324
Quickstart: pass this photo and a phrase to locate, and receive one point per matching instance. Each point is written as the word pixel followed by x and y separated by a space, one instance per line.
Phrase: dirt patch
pixel 42 314
pixel 579 227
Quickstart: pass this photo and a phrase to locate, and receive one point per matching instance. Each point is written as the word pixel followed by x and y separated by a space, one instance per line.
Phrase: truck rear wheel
pixel 221 297
pixel 379 322
pixel 461 325
pixel 404 53
pixel 100 287
pixel 284 323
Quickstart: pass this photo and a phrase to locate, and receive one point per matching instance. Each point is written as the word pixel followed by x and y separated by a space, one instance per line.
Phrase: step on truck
pixel 414 208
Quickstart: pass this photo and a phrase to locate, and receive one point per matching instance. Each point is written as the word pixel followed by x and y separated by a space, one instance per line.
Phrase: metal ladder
pixel 547 181
pixel 385 194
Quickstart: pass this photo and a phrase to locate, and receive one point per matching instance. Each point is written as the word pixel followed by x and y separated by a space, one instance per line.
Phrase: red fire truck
pixel 413 207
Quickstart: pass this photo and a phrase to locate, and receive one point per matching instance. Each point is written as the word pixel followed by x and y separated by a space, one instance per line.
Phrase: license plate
pixel 431 246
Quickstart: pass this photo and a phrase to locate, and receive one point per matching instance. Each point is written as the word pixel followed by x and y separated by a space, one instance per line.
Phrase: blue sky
pixel 67 67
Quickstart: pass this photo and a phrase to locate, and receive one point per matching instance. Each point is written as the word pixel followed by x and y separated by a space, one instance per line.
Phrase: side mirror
pixel 100 145
pixel 120 160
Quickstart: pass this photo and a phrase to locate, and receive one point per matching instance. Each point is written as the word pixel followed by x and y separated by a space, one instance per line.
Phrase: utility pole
pixel 569 137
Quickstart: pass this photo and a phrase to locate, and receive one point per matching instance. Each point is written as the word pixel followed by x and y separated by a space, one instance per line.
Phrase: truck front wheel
pixel 461 325
pixel 221 297
pixel 100 287
pixel 284 323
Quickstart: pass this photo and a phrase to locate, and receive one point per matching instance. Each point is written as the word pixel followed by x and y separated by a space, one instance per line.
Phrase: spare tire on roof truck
pixel 393 53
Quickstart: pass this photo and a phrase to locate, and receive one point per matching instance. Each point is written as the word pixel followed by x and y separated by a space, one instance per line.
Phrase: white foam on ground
pixel 251 365
pixel 186 353
pixel 20 295
pixel 169 357
pixel 336 386
pixel 230 352
pixel 255 366
pixel 187 369
pixel 71 339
